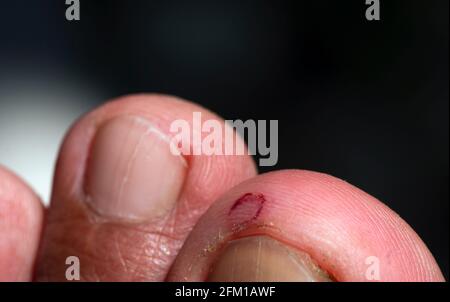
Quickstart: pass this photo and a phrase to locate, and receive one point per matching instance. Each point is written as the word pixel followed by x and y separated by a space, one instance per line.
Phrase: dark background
pixel 364 101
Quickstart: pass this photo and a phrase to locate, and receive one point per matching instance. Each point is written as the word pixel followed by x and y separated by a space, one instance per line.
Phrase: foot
pixel 130 210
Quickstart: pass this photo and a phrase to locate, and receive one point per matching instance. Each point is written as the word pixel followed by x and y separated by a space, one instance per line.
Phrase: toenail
pixel 131 173
pixel 260 258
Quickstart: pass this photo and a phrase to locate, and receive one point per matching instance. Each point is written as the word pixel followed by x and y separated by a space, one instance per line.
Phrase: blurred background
pixel 364 101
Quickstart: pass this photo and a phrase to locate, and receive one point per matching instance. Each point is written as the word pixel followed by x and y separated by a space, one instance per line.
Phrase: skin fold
pixel 333 225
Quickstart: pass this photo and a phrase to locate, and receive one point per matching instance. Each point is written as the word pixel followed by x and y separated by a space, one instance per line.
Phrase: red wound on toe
pixel 246 209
